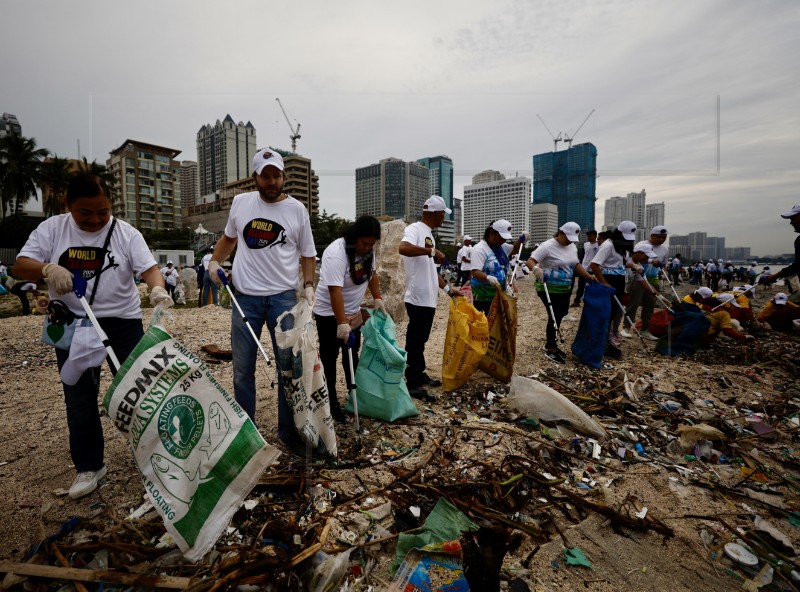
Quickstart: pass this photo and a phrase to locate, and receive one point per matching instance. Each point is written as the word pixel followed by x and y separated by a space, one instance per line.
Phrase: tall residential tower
pixel 225 153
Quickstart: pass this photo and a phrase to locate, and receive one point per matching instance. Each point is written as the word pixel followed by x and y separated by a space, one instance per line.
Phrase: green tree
pixel 20 166
pixel 326 228
pixel 54 179
pixel 101 170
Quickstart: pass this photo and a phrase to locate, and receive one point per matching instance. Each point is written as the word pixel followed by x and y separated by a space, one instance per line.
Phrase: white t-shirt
pixel 556 262
pixel 206 260
pixel 609 260
pixel 170 275
pixel 59 240
pixel 335 271
pixel 271 239
pixel 422 284
pixel 589 251
pixel 465 251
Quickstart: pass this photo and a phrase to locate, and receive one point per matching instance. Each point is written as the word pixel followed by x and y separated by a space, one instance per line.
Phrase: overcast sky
pixel 368 80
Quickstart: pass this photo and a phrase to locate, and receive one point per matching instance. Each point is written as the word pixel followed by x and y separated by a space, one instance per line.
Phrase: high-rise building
pixel 301 182
pixel 458 216
pixel 148 181
pixel 654 215
pixel 441 184
pixel 568 180
pixel 190 193
pixel 9 124
pixel 484 203
pixel 631 207
pixel 225 153
pixel 544 222
pixel 487 176
pixel 392 188
pixel 697 245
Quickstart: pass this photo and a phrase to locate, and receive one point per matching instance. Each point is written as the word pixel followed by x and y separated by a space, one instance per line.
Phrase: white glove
pixel 310 298
pixel 343 331
pixel 160 297
pixel 493 281
pixel 538 274
pixel 637 268
pixel 59 278
pixel 213 268
pixel 379 306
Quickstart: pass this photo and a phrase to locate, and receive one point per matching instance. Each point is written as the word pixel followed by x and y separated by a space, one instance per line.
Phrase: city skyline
pixel 692 104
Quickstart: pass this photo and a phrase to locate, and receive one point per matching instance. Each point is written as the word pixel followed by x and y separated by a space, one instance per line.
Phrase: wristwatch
pixel 309 284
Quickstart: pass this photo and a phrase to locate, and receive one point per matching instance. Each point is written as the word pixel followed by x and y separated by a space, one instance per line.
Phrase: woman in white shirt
pixel 347 270
pixel 553 263
pixel 88 242
pixel 608 266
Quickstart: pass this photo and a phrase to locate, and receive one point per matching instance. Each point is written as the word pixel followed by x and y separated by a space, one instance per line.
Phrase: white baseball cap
pixel 571 230
pixel 704 292
pixel 266 157
pixel 781 298
pixel 646 248
pixel 730 298
pixel 436 204
pixel 503 227
pixel 628 229
pixel 793 212
pixel 467 237
pixel 659 230
pixel 86 351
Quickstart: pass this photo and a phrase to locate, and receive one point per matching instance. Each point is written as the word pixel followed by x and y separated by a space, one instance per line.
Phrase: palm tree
pixel 101 170
pixel 54 180
pixel 20 162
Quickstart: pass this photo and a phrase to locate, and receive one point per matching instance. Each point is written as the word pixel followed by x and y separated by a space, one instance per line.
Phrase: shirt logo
pixel 260 233
pixel 86 261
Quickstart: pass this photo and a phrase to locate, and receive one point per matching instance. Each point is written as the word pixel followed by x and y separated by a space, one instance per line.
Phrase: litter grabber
pixel 224 279
pixel 510 284
pixel 79 287
pixel 351 340
pixel 552 314
pixel 666 277
pixel 663 300
pixel 633 326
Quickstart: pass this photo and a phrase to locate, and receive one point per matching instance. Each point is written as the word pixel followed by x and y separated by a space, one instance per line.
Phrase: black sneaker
pixel 338 415
pixel 421 394
pixel 575 304
pixel 431 382
pixel 556 356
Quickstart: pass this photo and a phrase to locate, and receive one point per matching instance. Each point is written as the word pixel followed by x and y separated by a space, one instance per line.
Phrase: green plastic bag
pixel 380 383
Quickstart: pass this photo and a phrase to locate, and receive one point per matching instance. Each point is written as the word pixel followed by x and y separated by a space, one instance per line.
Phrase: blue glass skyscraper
pixel 568 180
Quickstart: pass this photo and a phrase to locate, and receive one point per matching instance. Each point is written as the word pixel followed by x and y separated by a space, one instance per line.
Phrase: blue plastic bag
pixel 686 332
pixel 590 340
pixel 380 378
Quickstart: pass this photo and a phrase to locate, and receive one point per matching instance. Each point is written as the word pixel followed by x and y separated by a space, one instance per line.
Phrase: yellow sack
pixel 465 343
pixel 499 359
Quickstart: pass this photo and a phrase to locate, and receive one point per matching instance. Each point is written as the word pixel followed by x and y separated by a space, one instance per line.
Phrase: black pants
pixel 23 297
pixel 83 417
pixel 618 283
pixel 581 288
pixel 329 348
pixel 560 302
pixel 420 322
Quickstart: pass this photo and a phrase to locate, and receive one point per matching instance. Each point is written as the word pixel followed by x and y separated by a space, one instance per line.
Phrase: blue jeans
pixel 259 310
pixel 208 284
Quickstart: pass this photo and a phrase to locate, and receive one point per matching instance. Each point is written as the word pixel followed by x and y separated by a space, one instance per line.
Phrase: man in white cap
pixel 273 234
pixel 793 216
pixel 463 258
pixel 780 314
pixel 420 257
pixel 170 275
pixel 643 293
pixel 698 296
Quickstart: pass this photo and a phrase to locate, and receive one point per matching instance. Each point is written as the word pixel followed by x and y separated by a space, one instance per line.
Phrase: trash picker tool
pixel 352 386
pixel 552 314
pixel 79 287
pixel 633 326
pixel 663 300
pixel 666 277
pixel 224 279
pixel 510 284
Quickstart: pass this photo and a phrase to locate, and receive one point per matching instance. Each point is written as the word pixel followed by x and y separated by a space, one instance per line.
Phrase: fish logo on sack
pixel 86 261
pixel 261 233
pixel 180 425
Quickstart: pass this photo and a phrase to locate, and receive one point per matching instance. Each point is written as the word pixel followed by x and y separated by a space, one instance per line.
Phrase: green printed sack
pixel 198 453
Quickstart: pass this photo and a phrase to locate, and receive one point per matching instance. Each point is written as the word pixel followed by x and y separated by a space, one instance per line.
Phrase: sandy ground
pixel 35 466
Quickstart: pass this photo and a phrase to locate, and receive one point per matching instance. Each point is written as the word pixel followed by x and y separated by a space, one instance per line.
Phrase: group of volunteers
pixel 275 253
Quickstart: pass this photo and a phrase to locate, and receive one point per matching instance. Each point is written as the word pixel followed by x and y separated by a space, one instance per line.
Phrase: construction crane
pixel 295 129
pixel 555 140
pixel 568 140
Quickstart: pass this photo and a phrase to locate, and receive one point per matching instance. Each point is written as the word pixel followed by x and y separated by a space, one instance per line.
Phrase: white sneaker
pixel 647 335
pixel 625 333
pixel 570 318
pixel 86 482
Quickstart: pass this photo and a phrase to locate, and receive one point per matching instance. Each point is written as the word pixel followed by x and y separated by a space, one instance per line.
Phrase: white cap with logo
pixel 628 229
pixel 781 298
pixel 266 157
pixel 571 230
pixel 503 227
pixel 436 203
pixel 659 230
pixel 646 248
pixel 793 212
